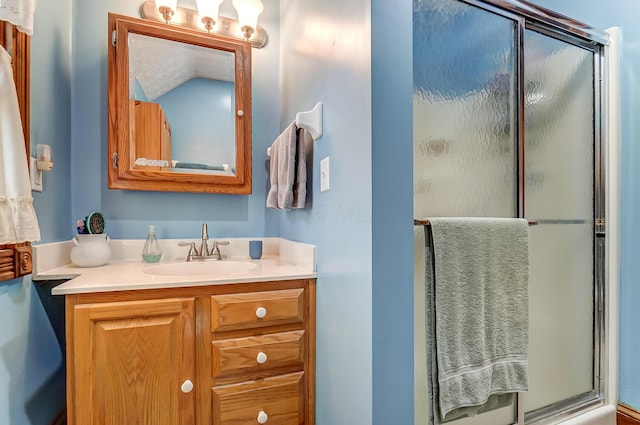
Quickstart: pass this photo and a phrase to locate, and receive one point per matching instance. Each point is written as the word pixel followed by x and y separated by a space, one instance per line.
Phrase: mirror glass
pixel 179 108
pixel 193 90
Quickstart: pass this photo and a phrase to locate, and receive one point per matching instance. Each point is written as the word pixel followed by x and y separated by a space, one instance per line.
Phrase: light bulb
pixel 248 12
pixel 208 11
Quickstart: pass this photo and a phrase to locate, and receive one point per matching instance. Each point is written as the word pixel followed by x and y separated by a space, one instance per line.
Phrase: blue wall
pixel 51 112
pixel 325 56
pixel 202 117
pixel 392 165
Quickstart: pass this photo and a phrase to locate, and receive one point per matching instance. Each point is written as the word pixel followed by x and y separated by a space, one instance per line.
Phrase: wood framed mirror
pixel 179 109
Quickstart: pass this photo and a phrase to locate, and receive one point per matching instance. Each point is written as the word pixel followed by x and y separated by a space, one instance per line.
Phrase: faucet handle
pixel 192 249
pixel 215 251
pixel 216 244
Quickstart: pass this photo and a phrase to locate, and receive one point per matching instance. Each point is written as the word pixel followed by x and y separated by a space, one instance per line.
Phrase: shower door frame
pixel 527 16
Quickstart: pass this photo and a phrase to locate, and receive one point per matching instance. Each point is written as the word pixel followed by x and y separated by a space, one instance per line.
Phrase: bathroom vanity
pixel 236 348
pixel 219 354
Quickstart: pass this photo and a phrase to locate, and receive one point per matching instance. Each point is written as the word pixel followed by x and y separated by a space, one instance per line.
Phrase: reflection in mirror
pixel 190 91
pixel 179 109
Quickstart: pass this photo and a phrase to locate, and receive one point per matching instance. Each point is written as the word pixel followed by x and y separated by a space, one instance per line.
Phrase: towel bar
pixel 426 222
pixel 311 121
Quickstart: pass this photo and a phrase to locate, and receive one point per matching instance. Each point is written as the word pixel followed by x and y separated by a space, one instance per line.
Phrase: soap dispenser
pixel 151 253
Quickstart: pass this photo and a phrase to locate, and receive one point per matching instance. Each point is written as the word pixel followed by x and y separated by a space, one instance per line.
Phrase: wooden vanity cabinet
pixel 227 354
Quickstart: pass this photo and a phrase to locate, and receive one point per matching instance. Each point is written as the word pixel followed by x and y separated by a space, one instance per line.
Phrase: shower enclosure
pixel 508 123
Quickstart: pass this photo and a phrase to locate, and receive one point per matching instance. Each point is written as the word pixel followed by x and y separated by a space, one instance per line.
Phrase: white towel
pixel 477 306
pixel 287 171
pixel 18 222
pixel 20 13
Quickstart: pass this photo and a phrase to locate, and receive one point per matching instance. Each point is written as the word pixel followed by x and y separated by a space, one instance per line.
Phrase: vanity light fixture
pixel 248 12
pixel 167 8
pixel 206 18
pixel 208 11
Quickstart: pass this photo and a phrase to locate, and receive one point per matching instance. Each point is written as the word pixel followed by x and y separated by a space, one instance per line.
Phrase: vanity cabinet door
pixel 134 362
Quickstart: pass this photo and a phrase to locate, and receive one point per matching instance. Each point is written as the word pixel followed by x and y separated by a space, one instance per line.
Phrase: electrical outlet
pixel 324 174
pixel 35 175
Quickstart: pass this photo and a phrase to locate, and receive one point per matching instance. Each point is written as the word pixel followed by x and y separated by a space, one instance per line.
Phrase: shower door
pixel 507 124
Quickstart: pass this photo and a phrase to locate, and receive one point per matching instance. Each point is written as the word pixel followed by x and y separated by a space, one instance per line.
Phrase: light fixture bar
pixel 189 18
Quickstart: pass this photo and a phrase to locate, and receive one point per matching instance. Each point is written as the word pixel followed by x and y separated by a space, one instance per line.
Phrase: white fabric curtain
pixel 19 13
pixel 18 221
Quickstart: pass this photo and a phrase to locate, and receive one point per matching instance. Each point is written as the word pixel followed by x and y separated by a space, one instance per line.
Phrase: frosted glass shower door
pixel 559 196
pixel 465 139
pixel 465 149
pixel 507 124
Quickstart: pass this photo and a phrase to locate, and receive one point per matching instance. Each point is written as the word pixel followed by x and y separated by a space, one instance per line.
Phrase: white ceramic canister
pixel 90 250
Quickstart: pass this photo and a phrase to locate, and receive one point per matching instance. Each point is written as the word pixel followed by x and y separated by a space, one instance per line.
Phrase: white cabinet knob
pixel 262 417
pixel 240 112
pixel 262 357
pixel 261 312
pixel 187 386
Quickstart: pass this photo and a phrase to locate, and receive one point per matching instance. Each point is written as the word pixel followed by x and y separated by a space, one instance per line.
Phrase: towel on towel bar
pixel 477 276
pixel 288 170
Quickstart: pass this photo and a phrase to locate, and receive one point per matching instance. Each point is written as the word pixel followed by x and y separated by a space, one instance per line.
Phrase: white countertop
pixel 282 260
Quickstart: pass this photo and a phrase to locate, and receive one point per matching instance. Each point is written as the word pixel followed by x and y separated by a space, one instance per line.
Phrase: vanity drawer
pixel 257 353
pixel 274 401
pixel 256 309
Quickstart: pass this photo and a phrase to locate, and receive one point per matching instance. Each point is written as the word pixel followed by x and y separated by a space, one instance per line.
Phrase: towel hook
pixel 311 121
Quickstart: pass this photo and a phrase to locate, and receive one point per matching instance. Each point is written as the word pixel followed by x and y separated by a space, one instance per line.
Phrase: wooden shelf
pixel 15 261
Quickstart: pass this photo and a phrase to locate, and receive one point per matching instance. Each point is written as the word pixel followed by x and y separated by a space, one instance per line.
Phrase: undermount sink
pixel 197 268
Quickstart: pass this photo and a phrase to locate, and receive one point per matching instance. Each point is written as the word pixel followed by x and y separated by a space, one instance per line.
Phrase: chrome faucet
pixel 204 248
pixel 204 253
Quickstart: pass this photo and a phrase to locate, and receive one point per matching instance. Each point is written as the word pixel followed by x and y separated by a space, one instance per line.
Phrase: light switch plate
pixel 35 175
pixel 324 174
